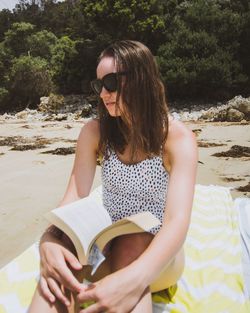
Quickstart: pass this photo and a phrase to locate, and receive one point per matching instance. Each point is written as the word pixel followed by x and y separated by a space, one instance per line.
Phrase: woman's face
pixel 107 66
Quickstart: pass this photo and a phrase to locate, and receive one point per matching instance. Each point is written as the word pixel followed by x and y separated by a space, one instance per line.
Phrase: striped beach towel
pixel 213 277
pixel 212 280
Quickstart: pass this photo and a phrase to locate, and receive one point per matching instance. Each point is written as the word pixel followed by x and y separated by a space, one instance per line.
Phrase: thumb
pixel 72 260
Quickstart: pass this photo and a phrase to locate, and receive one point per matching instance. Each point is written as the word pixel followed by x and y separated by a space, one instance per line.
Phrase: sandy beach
pixel 33 182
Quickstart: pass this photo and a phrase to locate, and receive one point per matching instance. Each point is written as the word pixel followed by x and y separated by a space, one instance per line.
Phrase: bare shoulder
pixel 181 142
pixel 179 131
pixel 90 133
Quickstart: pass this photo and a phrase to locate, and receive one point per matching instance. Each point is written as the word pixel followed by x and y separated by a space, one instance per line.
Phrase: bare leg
pixel 125 249
pixel 145 304
pixel 40 305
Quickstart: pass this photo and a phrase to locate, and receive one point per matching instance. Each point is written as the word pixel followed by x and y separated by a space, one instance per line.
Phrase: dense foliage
pixel 202 46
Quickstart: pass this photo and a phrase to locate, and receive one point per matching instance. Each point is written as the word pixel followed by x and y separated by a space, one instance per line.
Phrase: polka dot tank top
pixel 132 188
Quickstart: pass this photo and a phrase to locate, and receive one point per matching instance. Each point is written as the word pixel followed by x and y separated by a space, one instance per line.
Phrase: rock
pixel 49 118
pixel 53 104
pixel 245 108
pixel 22 115
pixel 186 116
pixel 87 110
pixel 60 117
pixel 241 104
pixel 222 113
pixel 44 100
pixel 234 115
pixel 29 115
pixel 66 104
pixel 176 115
pixel 209 114
pixel 221 116
pixel 6 116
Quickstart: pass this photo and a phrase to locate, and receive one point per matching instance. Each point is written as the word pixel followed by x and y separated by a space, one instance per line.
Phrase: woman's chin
pixel 114 113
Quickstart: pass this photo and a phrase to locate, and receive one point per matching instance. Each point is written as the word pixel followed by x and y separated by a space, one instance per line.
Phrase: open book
pixel 89 226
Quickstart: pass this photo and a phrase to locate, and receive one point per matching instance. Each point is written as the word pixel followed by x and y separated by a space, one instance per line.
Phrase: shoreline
pixel 34 183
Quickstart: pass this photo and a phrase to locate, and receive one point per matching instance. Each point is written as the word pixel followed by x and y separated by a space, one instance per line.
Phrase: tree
pixel 41 44
pixel 16 38
pixel 29 80
pixel 6 19
pixel 244 48
pixel 199 59
pixel 63 53
pixel 202 46
pixel 141 20
pixel 29 12
pixel 4 62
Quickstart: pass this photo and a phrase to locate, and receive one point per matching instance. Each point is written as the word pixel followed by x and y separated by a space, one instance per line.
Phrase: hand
pixel 55 273
pixel 118 292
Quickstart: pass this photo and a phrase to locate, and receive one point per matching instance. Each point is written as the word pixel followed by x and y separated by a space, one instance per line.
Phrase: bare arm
pixel 84 167
pixel 83 172
pixel 182 151
pixel 55 248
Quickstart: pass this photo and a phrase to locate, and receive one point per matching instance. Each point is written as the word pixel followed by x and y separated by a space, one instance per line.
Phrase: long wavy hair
pixel 144 103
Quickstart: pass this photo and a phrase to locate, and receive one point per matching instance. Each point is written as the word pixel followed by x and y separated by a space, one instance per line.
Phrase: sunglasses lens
pixel 110 82
pixel 97 86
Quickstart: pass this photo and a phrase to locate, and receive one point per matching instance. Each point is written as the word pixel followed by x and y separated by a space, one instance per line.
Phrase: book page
pixel 95 258
pixel 81 220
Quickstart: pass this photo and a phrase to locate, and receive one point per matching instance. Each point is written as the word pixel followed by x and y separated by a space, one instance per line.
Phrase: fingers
pixel 53 286
pixel 48 295
pixel 59 271
pixel 67 279
pixel 55 273
pixel 72 260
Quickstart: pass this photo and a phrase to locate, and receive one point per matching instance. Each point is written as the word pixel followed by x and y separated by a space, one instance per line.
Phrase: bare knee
pixel 40 305
pixel 127 248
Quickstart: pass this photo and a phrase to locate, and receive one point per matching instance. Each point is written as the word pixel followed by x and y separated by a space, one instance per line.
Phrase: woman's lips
pixel 108 104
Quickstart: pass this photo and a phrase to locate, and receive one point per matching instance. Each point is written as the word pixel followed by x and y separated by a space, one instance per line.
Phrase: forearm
pixel 162 250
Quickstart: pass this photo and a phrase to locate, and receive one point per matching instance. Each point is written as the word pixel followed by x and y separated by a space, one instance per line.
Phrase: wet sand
pixel 33 182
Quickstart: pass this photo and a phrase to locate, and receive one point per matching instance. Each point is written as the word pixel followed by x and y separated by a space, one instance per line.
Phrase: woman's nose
pixel 104 92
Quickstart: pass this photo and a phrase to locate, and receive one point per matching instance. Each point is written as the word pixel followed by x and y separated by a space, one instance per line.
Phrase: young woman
pixel 149 164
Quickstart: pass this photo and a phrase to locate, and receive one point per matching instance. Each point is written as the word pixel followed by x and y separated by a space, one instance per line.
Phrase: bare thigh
pixel 127 248
pixel 40 305
pixel 124 250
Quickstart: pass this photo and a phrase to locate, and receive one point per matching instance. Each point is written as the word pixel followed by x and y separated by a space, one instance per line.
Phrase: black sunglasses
pixel 109 82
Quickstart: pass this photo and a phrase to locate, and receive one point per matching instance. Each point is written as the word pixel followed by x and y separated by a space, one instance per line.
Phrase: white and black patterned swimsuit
pixel 130 189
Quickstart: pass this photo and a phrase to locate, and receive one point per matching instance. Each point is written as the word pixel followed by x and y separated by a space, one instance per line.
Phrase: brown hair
pixel 144 103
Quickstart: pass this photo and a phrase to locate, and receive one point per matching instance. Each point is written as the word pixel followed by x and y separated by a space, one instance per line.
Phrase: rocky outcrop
pixel 75 107
pixel 241 104
pixel 235 110
pixel 59 104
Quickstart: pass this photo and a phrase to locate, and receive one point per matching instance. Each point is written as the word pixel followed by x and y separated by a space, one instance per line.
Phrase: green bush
pixel 29 80
pixel 200 56
pixel 41 44
pixel 16 38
